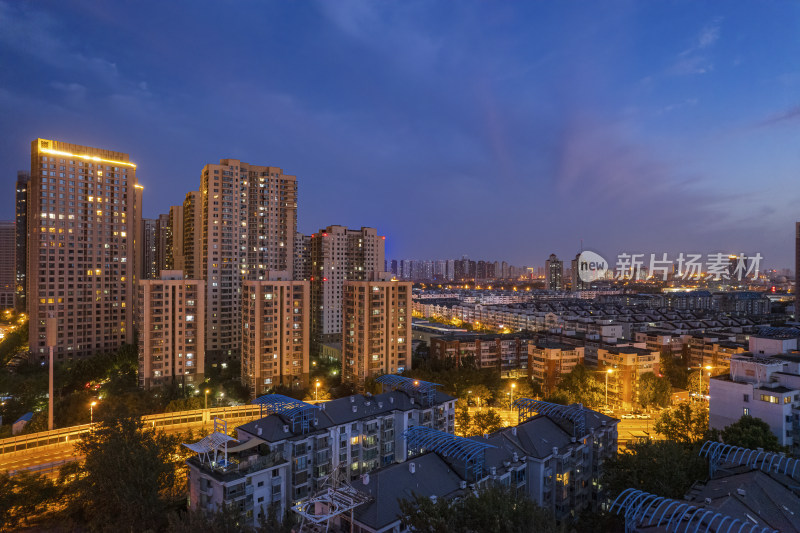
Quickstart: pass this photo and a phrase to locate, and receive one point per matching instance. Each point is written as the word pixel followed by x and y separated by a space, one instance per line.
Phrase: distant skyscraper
pixel 275 334
pixel 171 321
pixel 377 329
pixel 175 237
pixel 8 268
pixel 249 221
pixel 163 240
pixel 21 236
pixel 577 284
pixel 149 264
pixel 554 273
pixel 302 257
pixel 193 235
pixel 82 253
pixel 339 254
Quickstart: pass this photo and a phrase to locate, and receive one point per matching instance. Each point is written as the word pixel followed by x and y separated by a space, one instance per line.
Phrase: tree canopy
pixel 497 509
pixel 654 391
pixel 686 423
pixel 750 432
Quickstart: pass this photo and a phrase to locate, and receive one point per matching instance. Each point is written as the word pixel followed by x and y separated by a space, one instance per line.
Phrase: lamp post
pixel 511 400
pixel 221 397
pixel 608 372
pixel 207 391
pixel 316 390
pixel 91 413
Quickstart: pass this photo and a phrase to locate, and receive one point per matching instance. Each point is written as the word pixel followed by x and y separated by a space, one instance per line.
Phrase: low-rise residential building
pixel 285 456
pixel 506 353
pixel 548 361
pixel 773 341
pixel 763 387
pixel 624 366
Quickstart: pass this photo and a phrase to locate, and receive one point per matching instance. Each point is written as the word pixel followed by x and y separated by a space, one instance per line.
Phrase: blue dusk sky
pixel 497 129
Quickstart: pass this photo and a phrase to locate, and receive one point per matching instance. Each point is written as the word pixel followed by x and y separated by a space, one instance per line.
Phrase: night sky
pixel 500 130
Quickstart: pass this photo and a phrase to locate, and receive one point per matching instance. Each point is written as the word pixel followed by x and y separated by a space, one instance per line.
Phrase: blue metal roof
pixel 639 506
pixel 719 453
pixel 574 413
pixel 424 390
pixel 300 413
pixel 447 444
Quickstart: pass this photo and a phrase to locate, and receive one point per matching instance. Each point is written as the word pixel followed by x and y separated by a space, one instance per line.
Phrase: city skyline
pixel 640 128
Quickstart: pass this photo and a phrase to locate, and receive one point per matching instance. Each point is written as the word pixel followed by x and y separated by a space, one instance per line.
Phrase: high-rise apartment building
pixel 339 254
pixel 21 236
pixel 275 334
pixel 148 266
pixel 171 321
pixel 8 268
pixel 193 235
pixel 175 237
pixel 163 241
pixel 249 224
pixel 84 207
pixel 377 329
pixel 302 257
pixel 554 274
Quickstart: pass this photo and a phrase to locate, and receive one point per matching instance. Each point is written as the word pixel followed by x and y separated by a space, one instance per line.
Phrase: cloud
pixel 695 59
pixel 789 115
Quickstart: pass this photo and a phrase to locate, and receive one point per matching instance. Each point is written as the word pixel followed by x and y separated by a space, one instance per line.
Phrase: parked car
pixel 628 416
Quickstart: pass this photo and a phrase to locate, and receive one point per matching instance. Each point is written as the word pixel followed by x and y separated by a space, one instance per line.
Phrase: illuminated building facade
pixel 275 334
pixel 171 321
pixel 8 269
pixel 193 235
pixel 21 236
pixel 84 207
pixel 249 224
pixel 376 330
pixel 338 255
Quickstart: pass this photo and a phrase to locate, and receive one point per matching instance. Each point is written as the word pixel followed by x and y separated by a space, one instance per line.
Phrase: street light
pixel 207 391
pixel 608 372
pixel 91 413
pixel 511 401
pixel 316 390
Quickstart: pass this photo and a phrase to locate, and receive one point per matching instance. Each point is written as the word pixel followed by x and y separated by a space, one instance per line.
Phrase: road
pixel 48 459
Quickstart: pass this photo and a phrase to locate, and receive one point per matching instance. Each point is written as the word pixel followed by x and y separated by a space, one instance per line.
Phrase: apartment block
pixel 8 268
pixel 338 255
pixel 284 457
pixel 507 353
pixel 275 334
pixel 148 267
pixel 302 257
pixel 164 259
pixel 84 207
pixel 193 235
pixel 627 364
pixel 377 329
pixel 175 237
pixel 249 225
pixel 763 387
pixel 171 321
pixel 554 274
pixel 21 237
pixel 548 361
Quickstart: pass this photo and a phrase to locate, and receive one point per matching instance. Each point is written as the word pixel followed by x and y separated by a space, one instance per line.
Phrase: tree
pixel 694 382
pixel 687 422
pixel 486 422
pixel 654 391
pixel 480 393
pixel 463 418
pixel 497 509
pixel 662 467
pixel 751 432
pixel 581 386
pixel 128 480
pixel 23 497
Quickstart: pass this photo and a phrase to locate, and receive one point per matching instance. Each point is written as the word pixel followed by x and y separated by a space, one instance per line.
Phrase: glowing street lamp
pixel 91 413
pixel 511 401
pixel 207 391
pixel 316 390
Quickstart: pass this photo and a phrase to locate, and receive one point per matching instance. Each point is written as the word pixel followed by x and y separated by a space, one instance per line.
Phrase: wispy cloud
pixel 696 58
pixel 788 115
